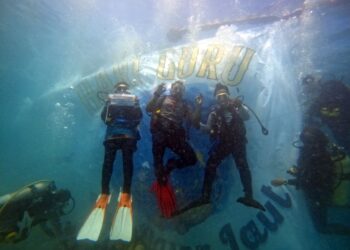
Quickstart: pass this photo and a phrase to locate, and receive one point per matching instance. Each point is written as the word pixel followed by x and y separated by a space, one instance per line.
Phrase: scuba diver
pixel 331 107
pixel 122 115
pixel 39 203
pixel 225 125
pixel 317 175
pixel 168 113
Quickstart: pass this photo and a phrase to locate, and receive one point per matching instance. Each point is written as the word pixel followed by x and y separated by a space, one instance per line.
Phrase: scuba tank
pixel 341 194
pixel 119 104
pixel 122 115
pixel 122 100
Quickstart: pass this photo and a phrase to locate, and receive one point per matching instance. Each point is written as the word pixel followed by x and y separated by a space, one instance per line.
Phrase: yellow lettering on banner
pixel 189 54
pixel 212 57
pixel 163 65
pixel 231 64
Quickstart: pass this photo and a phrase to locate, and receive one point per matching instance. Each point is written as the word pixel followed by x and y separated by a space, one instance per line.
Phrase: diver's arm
pixel 137 111
pixel 195 116
pixel 280 181
pixel 153 103
pixel 293 182
pixel 103 113
pixel 242 110
pixel 104 116
pixel 207 127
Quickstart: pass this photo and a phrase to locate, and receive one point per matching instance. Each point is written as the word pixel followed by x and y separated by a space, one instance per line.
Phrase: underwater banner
pixel 207 61
pixel 257 67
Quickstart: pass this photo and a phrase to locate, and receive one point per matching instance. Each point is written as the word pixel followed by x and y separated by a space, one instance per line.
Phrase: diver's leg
pixel 216 155
pixel 107 169
pixel 158 150
pixel 186 155
pixel 128 149
pixel 239 155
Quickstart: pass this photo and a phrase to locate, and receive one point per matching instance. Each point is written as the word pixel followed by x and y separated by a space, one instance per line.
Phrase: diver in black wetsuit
pixel 227 131
pixel 122 115
pixel 315 175
pixel 331 106
pixel 169 112
pixel 39 203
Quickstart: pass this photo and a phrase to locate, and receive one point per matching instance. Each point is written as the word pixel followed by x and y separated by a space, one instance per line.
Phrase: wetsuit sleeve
pixel 242 110
pixel 152 104
pixel 104 113
pixel 293 182
pixel 138 112
pixel 194 116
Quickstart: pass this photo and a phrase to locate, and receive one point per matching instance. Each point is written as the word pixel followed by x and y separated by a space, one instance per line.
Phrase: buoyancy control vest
pixel 227 125
pixel 169 114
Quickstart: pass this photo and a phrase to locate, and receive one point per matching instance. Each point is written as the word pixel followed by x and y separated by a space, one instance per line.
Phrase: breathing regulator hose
pixel 264 130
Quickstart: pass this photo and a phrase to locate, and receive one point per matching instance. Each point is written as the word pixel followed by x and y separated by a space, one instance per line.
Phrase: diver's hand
pixel 279 182
pixel 108 120
pixel 160 89
pixel 293 170
pixel 237 102
pixel 199 100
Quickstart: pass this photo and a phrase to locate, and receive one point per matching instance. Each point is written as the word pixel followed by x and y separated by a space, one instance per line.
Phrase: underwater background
pixel 57 56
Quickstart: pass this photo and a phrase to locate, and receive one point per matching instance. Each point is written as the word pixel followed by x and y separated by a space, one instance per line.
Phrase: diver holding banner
pixel 168 114
pixel 226 128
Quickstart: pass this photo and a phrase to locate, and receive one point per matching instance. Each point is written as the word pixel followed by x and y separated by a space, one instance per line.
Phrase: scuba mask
pixel 330 111
pixel 221 94
pixel 222 98
pixel 64 201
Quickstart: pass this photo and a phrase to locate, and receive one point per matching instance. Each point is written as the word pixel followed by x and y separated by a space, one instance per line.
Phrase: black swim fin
pixel 250 202
pixel 194 204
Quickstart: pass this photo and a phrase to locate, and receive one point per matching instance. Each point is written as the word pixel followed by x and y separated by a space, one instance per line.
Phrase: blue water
pixel 48 48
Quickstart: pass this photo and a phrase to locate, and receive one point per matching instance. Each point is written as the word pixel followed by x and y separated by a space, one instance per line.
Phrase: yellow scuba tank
pixel 341 194
pixel 11 237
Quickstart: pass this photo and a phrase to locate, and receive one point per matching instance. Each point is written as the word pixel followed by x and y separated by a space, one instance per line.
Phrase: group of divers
pixel 322 170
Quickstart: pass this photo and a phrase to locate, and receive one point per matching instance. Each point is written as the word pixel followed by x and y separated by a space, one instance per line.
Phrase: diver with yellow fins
pixel 323 173
pixel 39 203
